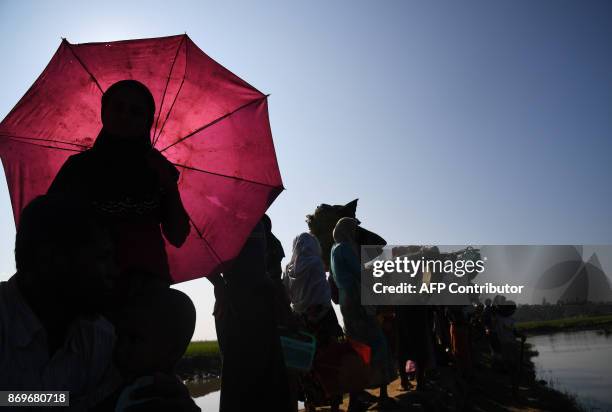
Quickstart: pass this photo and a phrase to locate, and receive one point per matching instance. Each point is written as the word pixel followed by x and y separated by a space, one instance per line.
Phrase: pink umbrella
pixel 209 123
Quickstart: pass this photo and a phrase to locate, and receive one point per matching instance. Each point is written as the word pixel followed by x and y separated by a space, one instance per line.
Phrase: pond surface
pixel 205 393
pixel 579 363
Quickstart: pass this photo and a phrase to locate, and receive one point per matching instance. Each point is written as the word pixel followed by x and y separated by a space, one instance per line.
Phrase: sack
pixel 342 367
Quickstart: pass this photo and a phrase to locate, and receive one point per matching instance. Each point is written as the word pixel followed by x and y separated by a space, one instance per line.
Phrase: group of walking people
pixel 255 306
pixel 90 311
pixel 402 340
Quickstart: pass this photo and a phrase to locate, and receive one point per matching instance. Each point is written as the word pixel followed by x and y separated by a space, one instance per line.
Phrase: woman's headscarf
pixel 305 278
pixel 136 145
pixel 346 231
pixel 121 169
pixel 250 265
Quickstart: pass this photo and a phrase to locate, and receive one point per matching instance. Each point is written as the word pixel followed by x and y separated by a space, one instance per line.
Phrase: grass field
pixel 578 322
pixel 211 347
pixel 203 348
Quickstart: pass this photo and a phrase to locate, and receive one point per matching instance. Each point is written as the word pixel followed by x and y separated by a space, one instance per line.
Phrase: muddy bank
pixel 485 389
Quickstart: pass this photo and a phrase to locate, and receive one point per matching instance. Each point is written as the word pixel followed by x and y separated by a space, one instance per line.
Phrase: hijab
pixel 132 146
pixel 306 255
pixel 120 170
pixel 305 278
pixel 250 264
pixel 346 231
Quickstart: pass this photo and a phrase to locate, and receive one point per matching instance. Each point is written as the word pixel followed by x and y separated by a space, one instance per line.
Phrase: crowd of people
pixel 90 311
pixel 402 340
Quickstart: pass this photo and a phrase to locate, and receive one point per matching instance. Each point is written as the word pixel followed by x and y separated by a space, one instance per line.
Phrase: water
pixel 579 363
pixel 206 394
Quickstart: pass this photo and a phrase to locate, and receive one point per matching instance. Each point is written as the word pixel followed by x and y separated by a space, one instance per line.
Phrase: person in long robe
pixel 310 295
pixel 253 376
pixel 360 322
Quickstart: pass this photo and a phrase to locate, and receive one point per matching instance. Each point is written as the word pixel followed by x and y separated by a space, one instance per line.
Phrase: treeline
pixel 526 313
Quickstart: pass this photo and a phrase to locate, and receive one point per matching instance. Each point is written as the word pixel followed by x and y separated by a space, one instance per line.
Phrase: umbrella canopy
pixel 209 123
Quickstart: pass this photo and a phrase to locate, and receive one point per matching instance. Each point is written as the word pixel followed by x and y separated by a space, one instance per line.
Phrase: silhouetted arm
pixel 174 220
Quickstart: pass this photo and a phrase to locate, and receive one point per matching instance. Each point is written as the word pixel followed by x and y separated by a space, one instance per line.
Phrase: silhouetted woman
pixel 134 193
pixel 253 373
pixel 360 323
pixel 131 185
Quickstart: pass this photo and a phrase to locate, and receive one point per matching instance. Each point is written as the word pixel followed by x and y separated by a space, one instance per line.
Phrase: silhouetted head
pixel 274 250
pixel 152 336
pixel 250 265
pixel 267 222
pixel 128 109
pixel 346 230
pixel 63 255
pixel 306 253
pixel 506 309
pixel 323 221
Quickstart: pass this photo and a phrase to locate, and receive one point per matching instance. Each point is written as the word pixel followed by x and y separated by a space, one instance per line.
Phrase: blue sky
pixel 486 122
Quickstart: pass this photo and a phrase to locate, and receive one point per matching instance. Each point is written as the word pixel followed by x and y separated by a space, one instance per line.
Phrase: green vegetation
pixel 573 323
pixel 208 348
pixel 211 347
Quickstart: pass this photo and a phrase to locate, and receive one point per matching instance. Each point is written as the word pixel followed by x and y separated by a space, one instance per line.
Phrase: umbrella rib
pixel 214 122
pixel 223 175
pixel 175 96
pixel 42 145
pixel 169 111
pixel 83 65
pixel 161 106
pixel 43 140
pixel 205 241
